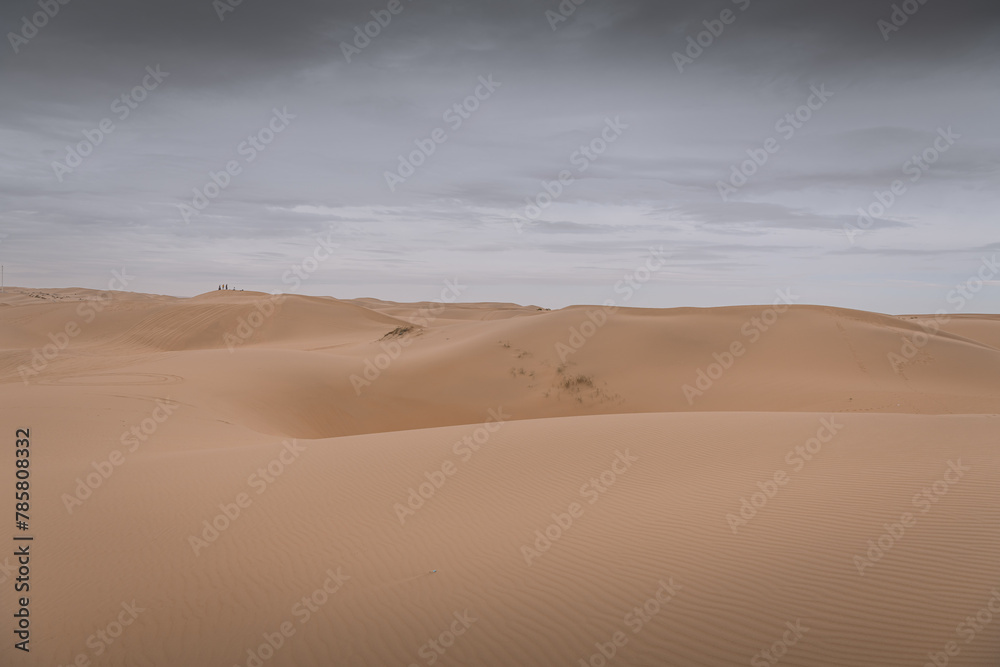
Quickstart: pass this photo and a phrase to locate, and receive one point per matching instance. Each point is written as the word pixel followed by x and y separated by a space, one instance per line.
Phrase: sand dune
pixel 490 498
pixel 273 364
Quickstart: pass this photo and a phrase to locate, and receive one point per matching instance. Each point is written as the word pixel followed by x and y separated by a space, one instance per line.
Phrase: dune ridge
pixel 483 501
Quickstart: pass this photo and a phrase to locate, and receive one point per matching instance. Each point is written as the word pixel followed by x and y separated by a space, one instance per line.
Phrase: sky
pixel 545 153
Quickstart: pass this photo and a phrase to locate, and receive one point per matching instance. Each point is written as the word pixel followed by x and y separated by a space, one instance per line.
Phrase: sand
pixel 494 484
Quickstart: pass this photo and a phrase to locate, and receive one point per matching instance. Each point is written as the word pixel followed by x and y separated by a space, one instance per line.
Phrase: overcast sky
pixel 663 120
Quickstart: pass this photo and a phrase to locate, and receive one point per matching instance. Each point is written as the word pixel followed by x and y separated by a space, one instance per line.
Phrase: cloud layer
pixel 534 152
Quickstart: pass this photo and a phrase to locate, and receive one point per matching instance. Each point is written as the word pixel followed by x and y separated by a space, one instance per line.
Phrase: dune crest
pixel 234 479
